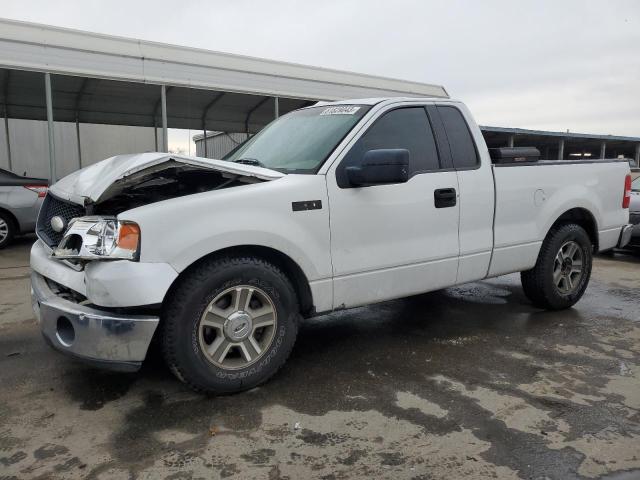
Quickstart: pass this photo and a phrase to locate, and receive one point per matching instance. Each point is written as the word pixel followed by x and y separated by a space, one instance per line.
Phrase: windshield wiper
pixel 249 161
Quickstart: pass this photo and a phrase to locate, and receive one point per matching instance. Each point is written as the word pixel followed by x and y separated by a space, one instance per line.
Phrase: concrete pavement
pixel 469 382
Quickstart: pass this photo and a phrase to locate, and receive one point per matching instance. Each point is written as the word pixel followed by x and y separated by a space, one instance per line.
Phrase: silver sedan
pixel 20 200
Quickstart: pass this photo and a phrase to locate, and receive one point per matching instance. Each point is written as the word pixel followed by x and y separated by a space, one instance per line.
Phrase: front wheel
pixel 230 324
pixel 562 271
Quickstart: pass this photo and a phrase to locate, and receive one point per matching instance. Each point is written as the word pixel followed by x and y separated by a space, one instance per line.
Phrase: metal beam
pixel 6 134
pixel 6 118
pixel 637 155
pixel 155 134
pixel 76 107
pixel 603 149
pixel 511 141
pixel 210 105
pixel 156 112
pixel 78 142
pixel 561 149
pixel 79 95
pixel 276 107
pixel 165 133
pixel 52 144
pixel 256 107
pixel 204 133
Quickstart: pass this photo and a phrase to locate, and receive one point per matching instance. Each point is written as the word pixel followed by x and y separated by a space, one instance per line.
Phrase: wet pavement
pixel 469 382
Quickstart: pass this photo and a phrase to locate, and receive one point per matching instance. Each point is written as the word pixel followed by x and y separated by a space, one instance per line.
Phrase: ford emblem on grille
pixel 57 223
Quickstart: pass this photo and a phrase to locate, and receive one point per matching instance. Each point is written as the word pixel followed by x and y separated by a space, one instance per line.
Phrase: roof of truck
pixel 376 100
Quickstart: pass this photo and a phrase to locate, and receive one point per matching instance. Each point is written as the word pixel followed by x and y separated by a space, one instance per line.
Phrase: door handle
pixel 445 197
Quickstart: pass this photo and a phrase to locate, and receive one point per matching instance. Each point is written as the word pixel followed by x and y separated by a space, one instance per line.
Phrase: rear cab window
pixel 461 144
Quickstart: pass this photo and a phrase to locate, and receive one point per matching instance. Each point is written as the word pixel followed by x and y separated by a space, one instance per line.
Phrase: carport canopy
pixel 116 102
pixel 564 145
pixel 63 75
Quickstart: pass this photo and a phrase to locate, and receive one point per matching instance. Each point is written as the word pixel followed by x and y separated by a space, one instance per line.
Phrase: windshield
pixel 635 185
pixel 300 141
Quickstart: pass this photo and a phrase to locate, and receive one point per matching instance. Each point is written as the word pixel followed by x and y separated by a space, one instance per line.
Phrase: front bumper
pixel 113 283
pixel 109 340
pixel 625 235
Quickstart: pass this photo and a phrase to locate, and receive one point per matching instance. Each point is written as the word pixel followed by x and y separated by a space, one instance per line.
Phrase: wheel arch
pixel 584 218
pixel 281 260
pixel 12 218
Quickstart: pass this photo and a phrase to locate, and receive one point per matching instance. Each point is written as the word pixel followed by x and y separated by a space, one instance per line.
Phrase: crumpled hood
pixel 91 182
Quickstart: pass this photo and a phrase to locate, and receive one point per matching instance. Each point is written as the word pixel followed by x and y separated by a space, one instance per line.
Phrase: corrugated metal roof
pixel 545 133
pixel 31 46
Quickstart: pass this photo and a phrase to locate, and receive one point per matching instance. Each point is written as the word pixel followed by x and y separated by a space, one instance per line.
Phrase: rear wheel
pixel 230 324
pixel 7 229
pixel 563 269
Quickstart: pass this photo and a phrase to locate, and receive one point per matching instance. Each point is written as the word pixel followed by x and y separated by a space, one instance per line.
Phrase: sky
pixel 541 64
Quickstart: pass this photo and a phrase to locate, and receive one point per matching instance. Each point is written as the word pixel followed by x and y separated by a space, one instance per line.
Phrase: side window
pixel 407 128
pixel 463 149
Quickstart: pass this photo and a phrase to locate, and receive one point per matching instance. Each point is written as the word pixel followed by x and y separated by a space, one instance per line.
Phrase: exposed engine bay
pixel 162 182
pixel 87 227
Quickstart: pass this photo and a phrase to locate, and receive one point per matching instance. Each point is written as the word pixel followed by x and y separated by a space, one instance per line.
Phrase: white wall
pixel 30 145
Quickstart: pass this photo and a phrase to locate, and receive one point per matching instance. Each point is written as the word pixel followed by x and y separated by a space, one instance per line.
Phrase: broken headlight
pixel 99 238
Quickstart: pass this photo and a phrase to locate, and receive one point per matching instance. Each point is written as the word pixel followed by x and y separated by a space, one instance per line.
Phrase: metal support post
pixel 165 135
pixel 52 145
pixel 6 134
pixel 204 133
pixel 561 149
pixel 78 141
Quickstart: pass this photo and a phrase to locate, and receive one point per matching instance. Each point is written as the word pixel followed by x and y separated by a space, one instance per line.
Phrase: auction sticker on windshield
pixel 340 110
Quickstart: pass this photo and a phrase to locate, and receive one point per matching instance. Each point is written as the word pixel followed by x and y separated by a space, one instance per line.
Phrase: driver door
pixel 394 240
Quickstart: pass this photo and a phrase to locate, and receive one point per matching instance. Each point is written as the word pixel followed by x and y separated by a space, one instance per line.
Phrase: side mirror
pixel 379 167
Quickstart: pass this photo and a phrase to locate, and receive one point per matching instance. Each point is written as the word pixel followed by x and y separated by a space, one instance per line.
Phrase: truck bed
pixel 530 197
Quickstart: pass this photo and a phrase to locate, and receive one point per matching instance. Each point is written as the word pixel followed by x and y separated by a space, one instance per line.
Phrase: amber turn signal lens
pixel 129 236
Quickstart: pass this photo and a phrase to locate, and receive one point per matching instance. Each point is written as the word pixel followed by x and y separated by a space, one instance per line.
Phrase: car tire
pixel 562 270
pixel 7 229
pixel 216 333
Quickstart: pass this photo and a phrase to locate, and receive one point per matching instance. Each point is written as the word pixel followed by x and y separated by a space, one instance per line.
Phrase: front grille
pixel 51 207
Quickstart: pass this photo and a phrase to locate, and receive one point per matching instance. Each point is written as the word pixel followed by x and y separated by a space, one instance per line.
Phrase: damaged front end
pixel 79 218
pixel 168 180
pixel 99 238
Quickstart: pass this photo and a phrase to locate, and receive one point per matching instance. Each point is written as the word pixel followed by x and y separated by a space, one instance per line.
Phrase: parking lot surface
pixel 468 382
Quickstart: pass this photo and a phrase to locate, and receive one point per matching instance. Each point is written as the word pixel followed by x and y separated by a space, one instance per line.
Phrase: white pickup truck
pixel 329 207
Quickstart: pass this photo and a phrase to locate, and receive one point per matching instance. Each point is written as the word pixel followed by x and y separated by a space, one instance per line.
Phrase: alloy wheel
pixel 568 267
pixel 4 230
pixel 237 327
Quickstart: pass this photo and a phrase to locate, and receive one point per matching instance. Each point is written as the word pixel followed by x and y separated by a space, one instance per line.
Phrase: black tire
pixel 538 283
pixel 6 236
pixel 182 313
